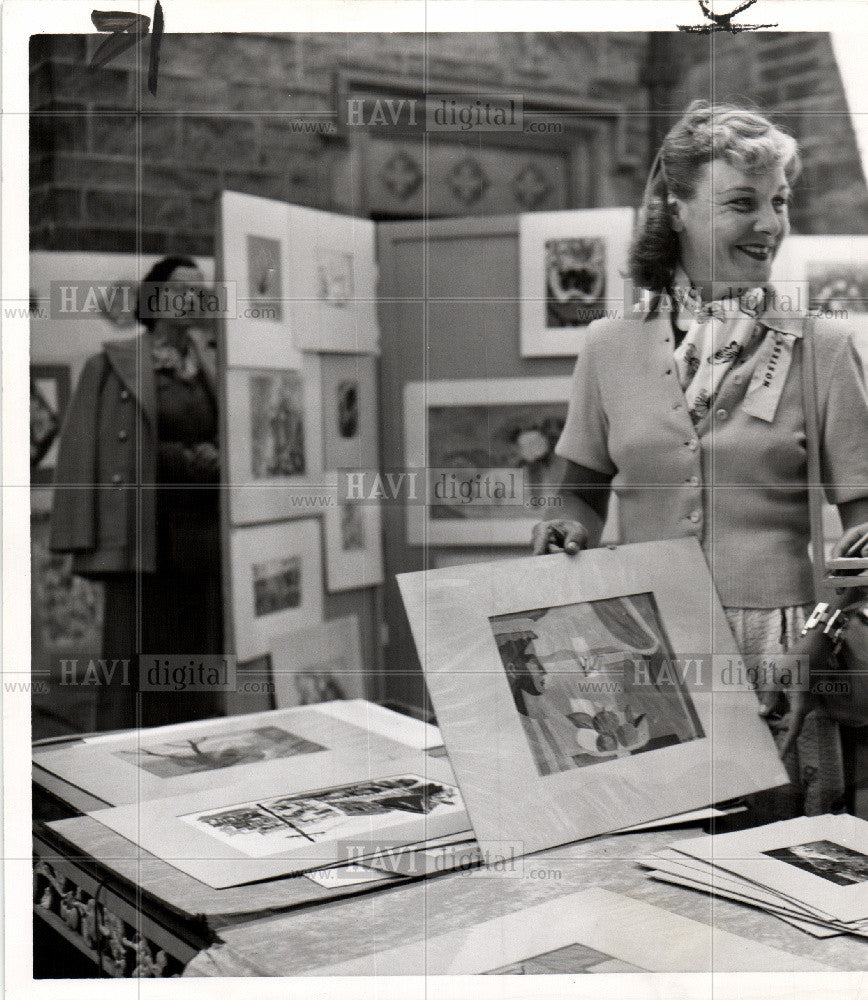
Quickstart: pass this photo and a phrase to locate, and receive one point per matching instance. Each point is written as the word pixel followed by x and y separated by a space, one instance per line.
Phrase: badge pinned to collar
pixel 770 375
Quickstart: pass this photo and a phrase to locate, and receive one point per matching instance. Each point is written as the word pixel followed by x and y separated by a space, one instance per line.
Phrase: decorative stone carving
pixel 530 186
pixel 401 174
pixel 125 952
pixel 467 181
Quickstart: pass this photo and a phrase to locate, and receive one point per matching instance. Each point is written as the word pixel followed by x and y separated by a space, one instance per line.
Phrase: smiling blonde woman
pixel 691 411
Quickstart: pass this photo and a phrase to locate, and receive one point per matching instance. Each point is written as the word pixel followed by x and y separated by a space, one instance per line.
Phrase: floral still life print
pixel 592 682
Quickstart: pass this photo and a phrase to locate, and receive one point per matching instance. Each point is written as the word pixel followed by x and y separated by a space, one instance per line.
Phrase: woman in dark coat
pixel 137 500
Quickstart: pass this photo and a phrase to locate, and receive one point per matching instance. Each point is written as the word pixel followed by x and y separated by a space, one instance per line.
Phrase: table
pixel 131 914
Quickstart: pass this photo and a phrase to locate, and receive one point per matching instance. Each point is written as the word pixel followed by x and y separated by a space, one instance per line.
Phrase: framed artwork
pixel 274 440
pixel 267 828
pixel 49 398
pixel 829 275
pixel 487 448
pixel 254 260
pixel 353 542
pixel 300 745
pixel 276 582
pixel 570 274
pixel 332 281
pixel 320 663
pixel 558 680
pixel 349 411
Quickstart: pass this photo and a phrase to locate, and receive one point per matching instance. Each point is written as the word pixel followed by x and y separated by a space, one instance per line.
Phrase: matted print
pixel 349 411
pixel 266 827
pixel 276 582
pixel 296 747
pixel 827 274
pixel 571 274
pixel 820 863
pixel 332 281
pixel 210 752
pixel 274 440
pixel 264 275
pixel 832 862
pixel 353 542
pixel 253 259
pixel 591 681
pixel 487 446
pixel 49 397
pixel 269 827
pixel 321 663
pixel 597 679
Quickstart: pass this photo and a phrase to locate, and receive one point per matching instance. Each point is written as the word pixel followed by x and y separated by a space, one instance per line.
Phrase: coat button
pixel 122 435
pixel 693 445
pixel 721 414
pixel 125 395
pixel 117 478
pixel 676 406
pixel 695 515
pixel 693 481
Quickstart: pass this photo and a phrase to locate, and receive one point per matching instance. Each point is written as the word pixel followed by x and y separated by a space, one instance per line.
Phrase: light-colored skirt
pixel 815 765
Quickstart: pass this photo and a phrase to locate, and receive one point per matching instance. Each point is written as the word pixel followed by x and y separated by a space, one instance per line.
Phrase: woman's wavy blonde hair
pixel 705 132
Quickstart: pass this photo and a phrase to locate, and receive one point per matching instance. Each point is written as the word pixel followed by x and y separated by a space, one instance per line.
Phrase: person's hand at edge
pixel 853 543
pixel 559 536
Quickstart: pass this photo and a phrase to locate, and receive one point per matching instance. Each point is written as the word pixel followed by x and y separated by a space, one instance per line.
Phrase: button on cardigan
pixel 735 482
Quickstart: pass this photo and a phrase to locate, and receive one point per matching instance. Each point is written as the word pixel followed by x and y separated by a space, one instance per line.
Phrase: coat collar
pixel 131 360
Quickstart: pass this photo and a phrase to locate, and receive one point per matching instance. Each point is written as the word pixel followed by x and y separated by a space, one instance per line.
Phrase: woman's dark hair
pixel 705 132
pixel 158 275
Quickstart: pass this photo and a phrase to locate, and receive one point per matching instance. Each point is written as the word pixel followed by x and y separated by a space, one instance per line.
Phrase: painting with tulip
pixel 590 681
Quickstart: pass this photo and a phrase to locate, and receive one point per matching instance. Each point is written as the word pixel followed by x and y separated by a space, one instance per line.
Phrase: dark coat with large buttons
pixel 104 511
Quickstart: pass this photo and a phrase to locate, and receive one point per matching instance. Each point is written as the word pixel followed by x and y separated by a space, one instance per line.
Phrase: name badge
pixel 769 376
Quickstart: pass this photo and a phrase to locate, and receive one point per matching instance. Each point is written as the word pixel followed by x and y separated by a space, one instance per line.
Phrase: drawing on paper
pixel 594 681
pixel 322 682
pixel 837 287
pixel 466 442
pixel 334 272
pixel 276 585
pixel 271 826
pixel 352 527
pixel 575 281
pixel 348 407
pixel 264 277
pixel 212 751
pixel 827 860
pixel 277 424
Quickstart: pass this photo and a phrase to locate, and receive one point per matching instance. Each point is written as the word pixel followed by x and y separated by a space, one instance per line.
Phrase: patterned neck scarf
pixel 168 357
pixel 718 333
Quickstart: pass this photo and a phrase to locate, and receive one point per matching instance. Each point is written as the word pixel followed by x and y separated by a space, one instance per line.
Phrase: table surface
pixel 292 926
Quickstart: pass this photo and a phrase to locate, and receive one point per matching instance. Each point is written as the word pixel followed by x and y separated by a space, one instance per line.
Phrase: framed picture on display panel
pixel 276 582
pixel 49 397
pixel 332 281
pixel 353 541
pixel 254 262
pixel 274 441
pixel 571 266
pixel 829 276
pixel 320 663
pixel 349 411
pixel 598 679
pixel 487 448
